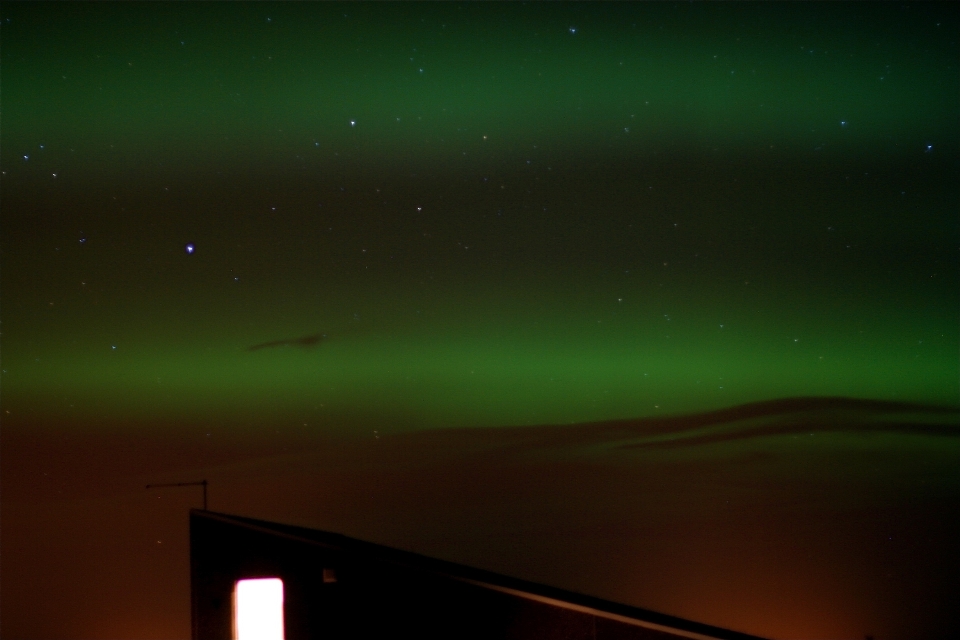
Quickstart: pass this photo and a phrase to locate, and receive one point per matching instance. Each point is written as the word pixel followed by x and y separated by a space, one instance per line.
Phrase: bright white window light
pixel 258 609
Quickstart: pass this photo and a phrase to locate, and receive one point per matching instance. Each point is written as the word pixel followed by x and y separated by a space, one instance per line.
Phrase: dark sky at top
pixel 242 229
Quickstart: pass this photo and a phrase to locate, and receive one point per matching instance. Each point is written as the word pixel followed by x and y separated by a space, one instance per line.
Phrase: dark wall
pixel 371 597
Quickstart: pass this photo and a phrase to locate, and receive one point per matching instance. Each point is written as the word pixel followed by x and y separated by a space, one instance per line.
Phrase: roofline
pixel 553 596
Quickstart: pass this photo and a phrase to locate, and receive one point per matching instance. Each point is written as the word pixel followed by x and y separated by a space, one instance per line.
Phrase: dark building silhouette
pixel 340 587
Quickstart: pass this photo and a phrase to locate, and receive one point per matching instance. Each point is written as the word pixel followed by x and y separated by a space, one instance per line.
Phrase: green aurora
pixel 526 214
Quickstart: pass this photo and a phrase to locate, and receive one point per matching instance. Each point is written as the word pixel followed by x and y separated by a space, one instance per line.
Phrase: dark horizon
pixel 878 503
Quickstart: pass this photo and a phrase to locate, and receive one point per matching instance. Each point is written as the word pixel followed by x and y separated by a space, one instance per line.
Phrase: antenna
pixel 195 483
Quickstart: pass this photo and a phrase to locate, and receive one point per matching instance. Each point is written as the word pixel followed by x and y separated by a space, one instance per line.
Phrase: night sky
pixel 483 281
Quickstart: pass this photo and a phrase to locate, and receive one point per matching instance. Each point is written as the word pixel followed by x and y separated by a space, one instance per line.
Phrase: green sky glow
pixel 497 215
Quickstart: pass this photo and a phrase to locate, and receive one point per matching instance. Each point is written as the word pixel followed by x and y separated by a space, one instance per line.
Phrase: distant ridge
pixel 783 416
pixel 800 404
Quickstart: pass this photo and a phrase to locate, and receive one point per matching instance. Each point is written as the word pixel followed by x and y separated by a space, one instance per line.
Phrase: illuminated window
pixel 258 609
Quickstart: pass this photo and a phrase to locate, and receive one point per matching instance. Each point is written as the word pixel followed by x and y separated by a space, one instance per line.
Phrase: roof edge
pixel 481 577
